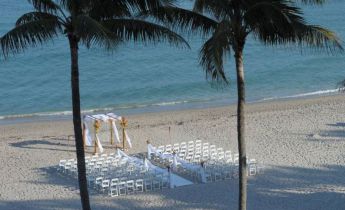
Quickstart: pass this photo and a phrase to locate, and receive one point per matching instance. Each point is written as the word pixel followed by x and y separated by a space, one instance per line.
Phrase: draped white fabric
pixel 152 150
pixel 116 132
pixel 99 144
pixel 88 138
pixel 148 165
pixel 128 140
pixel 149 151
pixel 112 115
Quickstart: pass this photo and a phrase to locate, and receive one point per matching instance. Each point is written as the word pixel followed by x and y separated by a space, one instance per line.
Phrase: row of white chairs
pixel 125 177
pixel 185 146
pixel 129 185
pixel 197 151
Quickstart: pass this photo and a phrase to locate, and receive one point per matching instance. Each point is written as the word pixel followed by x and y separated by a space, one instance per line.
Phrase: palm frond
pixel 316 37
pixel 269 19
pixel 66 4
pixel 34 16
pixel 144 5
pixel 220 9
pixel 91 32
pixel 77 7
pixel 48 6
pixel 107 9
pixel 214 50
pixel 319 2
pixel 182 19
pixel 29 34
pixel 277 22
pixel 142 31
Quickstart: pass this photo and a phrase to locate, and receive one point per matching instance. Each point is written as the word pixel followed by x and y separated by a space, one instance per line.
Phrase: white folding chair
pixel 130 186
pixel 212 147
pixel 221 156
pixel 122 188
pixel 161 148
pixel 168 148
pixel 228 156
pixel 98 182
pixel 252 167
pixel 183 145
pixel 68 166
pixel 236 158
pixel 105 185
pixel 62 165
pixel 191 144
pixel 139 185
pixel 205 145
pixel 176 147
pixel 113 191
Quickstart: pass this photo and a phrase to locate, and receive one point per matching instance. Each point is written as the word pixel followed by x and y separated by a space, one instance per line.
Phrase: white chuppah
pixel 99 127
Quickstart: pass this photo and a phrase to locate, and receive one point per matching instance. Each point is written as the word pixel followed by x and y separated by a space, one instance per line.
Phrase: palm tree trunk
pixel 240 129
pixel 84 194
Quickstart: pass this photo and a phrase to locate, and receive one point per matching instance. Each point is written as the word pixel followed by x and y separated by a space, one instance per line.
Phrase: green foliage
pixel 104 23
pixel 272 22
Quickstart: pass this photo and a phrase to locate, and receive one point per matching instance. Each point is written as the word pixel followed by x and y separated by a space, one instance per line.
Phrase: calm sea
pixel 137 78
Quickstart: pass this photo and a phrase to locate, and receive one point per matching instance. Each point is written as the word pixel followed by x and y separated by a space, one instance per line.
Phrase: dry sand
pixel 301 143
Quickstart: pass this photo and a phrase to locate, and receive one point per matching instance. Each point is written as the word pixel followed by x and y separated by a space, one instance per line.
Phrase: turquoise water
pixel 149 78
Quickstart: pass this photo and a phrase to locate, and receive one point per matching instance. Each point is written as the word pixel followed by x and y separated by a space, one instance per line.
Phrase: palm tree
pixel 230 22
pixel 104 23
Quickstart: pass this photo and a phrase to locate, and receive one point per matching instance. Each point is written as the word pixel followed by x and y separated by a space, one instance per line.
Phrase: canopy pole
pixel 97 126
pixel 123 124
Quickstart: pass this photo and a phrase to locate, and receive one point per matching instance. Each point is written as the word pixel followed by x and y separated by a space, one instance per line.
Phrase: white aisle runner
pixel 177 181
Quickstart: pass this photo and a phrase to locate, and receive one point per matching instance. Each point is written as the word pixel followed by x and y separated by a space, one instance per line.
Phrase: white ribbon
pixel 99 144
pixel 116 132
pixel 88 138
pixel 149 151
pixel 146 165
pixel 128 140
pixel 101 117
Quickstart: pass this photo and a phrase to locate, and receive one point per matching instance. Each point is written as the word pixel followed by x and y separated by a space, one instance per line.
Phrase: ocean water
pixel 138 78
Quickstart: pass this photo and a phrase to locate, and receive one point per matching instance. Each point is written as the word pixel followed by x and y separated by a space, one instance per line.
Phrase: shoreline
pixel 179 107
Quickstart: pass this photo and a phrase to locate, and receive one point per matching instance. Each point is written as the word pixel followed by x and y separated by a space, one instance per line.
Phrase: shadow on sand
pixel 278 188
pixel 51 144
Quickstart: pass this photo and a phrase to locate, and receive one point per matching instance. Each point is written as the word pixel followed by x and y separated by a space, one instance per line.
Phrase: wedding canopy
pixel 99 128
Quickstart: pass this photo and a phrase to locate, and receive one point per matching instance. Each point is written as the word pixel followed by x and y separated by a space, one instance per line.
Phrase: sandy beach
pixel 301 143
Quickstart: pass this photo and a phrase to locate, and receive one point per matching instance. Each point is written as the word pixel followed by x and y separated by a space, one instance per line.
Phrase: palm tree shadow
pixel 338 124
pixel 280 187
pixel 336 133
pixel 51 144
pixel 298 188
